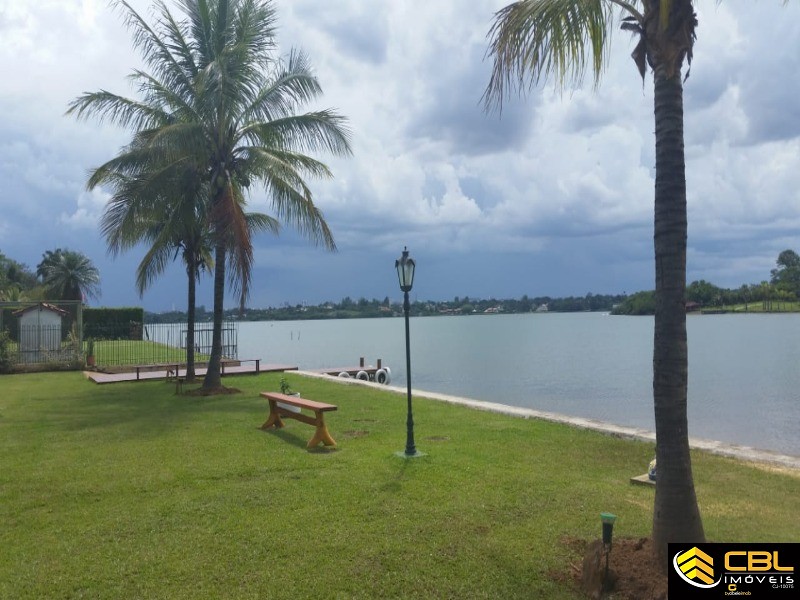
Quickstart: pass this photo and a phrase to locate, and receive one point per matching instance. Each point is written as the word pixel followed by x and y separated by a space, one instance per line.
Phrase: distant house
pixel 39 331
pixel 542 308
pixel 692 306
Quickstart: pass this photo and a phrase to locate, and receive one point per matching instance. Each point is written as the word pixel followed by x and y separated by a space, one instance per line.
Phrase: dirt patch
pixel 633 570
pixel 638 575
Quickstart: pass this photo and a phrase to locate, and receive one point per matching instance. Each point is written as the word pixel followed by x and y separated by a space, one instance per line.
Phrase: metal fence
pixel 163 343
pixel 49 333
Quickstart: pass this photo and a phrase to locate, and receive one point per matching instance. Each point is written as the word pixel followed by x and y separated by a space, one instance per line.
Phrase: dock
pixel 379 373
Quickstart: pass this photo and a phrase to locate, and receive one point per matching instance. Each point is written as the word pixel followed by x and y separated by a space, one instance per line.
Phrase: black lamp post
pixel 405 274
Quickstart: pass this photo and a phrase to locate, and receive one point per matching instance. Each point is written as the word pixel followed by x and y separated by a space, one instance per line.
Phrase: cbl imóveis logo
pixel 696 568
pixel 723 570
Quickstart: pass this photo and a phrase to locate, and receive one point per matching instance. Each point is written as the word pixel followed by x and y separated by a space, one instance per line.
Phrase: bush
pixel 640 303
pixel 6 357
pixel 113 323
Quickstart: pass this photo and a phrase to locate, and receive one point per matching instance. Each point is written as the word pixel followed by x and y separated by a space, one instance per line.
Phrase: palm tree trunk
pixel 676 517
pixel 213 378
pixel 191 270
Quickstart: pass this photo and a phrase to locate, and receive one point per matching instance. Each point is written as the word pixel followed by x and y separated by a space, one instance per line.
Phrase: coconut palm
pixel 68 275
pixel 170 217
pixel 171 227
pixel 216 97
pixel 533 39
pixel 162 204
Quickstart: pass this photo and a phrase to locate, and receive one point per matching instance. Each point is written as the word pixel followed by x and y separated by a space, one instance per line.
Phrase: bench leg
pixel 274 418
pixel 321 435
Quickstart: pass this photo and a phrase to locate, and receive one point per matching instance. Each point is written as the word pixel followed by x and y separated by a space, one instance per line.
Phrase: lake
pixel 744 381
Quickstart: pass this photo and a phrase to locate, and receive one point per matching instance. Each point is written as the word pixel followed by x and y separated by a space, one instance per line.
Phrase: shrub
pixel 6 356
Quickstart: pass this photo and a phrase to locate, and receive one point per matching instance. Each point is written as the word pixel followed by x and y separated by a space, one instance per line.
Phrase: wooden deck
pixel 163 373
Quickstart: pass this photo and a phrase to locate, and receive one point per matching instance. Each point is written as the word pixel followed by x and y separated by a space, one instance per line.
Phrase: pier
pixel 378 374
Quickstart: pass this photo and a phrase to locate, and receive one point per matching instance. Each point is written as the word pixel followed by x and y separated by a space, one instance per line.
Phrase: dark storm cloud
pixel 363 39
pixel 553 197
pixel 770 100
pixel 358 32
pixel 454 112
pixel 758 62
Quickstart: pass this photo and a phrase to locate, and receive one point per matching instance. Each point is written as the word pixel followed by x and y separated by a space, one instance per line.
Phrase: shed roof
pixel 43 306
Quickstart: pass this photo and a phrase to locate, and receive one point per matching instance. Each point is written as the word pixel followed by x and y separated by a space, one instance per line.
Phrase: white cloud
pixel 89 209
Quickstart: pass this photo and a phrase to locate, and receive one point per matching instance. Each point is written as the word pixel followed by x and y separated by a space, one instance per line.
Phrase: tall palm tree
pixel 218 98
pixel 533 39
pixel 68 275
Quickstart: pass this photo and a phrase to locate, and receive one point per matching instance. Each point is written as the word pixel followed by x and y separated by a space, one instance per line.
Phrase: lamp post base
pixel 416 454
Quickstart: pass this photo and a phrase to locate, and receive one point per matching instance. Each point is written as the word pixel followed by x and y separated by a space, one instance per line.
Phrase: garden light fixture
pixel 405 274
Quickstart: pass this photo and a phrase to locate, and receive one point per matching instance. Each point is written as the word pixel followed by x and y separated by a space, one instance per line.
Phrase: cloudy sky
pixel 554 197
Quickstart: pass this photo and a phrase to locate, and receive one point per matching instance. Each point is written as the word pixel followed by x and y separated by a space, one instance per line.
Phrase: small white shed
pixel 39 331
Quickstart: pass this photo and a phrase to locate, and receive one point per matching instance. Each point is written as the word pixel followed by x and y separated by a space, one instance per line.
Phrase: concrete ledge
pixel 745 453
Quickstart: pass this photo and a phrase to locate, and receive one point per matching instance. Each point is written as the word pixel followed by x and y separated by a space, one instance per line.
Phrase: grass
pixel 129 491
pixel 123 352
pixel 758 307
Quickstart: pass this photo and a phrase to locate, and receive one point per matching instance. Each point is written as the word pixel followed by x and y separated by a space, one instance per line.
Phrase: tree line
pixel 780 293
pixel 348 308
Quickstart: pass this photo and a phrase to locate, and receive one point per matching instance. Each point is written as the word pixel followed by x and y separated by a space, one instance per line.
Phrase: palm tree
pixel 167 216
pixel 68 275
pixel 172 218
pixel 217 98
pixel 533 39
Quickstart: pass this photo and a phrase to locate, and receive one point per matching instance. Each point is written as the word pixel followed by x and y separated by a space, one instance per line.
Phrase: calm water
pixel 744 381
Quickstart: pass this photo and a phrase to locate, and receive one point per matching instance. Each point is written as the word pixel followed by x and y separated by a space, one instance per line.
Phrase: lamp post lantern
pixel 405 274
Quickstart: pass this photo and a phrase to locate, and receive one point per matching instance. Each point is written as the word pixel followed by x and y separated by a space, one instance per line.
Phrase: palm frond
pixel 323 130
pixel 532 40
pixel 109 107
pixel 291 87
pixel 261 222
pixel 155 46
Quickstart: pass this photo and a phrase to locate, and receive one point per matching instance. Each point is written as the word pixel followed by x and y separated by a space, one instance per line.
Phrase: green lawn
pixel 129 491
pixel 126 352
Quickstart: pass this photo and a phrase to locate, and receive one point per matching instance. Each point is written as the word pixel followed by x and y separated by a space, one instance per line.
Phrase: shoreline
pixel 746 453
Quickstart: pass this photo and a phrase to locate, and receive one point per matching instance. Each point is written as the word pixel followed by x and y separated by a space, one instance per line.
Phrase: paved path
pixel 731 450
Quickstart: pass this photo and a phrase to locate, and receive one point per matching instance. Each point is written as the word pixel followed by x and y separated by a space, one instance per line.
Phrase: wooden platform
pixel 643 480
pixel 160 374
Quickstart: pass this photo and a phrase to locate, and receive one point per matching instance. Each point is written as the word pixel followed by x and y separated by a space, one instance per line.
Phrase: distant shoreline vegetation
pixel 705 298
pixel 701 297
pixel 367 309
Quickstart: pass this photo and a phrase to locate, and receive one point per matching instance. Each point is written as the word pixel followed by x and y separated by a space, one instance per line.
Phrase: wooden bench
pixel 276 413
